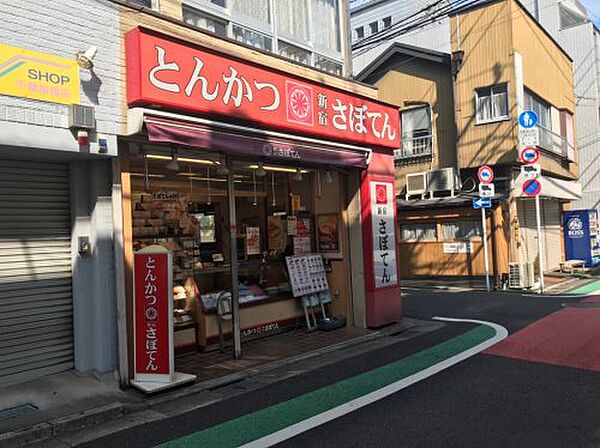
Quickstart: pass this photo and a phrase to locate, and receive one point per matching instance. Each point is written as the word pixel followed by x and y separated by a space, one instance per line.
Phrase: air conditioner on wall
pixel 443 180
pixel 416 184
pixel 520 275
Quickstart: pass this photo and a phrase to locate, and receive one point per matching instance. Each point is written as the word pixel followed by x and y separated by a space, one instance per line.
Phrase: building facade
pixel 57 268
pixel 502 63
pixel 569 24
pixel 370 17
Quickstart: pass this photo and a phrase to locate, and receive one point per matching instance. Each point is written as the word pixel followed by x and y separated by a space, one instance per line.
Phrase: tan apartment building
pixel 459 112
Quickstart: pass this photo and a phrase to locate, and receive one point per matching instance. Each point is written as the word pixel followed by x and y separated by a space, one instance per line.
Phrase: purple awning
pixel 161 130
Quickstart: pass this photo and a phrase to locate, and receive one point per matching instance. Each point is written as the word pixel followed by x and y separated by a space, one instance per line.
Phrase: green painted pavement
pixel 266 421
pixel 586 289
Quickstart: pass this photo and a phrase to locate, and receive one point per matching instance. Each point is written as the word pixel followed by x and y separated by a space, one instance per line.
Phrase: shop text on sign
pixel 384 251
pixel 152 336
pixel 165 72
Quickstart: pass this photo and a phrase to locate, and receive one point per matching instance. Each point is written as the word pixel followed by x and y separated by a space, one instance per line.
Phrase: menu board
pixel 307 274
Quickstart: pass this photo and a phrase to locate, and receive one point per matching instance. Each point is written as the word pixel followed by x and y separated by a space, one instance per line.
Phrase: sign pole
pixel 485 251
pixel 539 241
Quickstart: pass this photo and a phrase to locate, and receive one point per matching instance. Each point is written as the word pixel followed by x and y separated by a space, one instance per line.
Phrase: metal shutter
pixel 36 305
pixel 550 211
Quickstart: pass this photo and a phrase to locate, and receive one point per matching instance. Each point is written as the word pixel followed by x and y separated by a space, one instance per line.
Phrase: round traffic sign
pixel 532 187
pixel 530 155
pixel 528 119
pixel 485 174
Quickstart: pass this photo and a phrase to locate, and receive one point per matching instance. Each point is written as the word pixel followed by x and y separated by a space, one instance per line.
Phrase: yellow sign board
pixel 39 76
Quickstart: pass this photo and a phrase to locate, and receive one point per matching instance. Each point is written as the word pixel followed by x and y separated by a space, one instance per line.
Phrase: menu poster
pixel 301 245
pixel 292 225
pixel 327 232
pixel 307 274
pixel 276 233
pixel 295 199
pixel 252 241
pixel 303 224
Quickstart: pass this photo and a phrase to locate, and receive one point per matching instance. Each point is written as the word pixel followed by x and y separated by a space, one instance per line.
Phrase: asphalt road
pixel 485 401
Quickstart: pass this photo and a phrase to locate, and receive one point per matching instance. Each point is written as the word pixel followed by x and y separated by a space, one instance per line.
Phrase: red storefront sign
pixel 152 316
pixel 166 72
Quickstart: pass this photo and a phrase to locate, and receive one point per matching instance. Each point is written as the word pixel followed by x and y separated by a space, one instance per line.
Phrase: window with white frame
pixel 540 107
pixel 295 53
pixel 292 19
pixel 416 131
pixel 374 27
pixel 461 230
pixel 325 24
pixel 258 10
pixel 252 38
pixel 150 4
pixel 492 103
pixel 387 22
pixel 359 32
pixel 194 17
pixel 328 65
pixel 423 231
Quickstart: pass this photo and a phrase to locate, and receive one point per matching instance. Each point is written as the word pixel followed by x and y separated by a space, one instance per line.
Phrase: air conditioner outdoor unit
pixel 443 180
pixel 520 275
pixel 416 184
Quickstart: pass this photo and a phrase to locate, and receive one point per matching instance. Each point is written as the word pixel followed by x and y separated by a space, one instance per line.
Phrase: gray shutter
pixel 551 217
pixel 36 305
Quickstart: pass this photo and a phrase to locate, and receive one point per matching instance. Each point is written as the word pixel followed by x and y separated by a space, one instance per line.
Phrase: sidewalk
pixel 67 403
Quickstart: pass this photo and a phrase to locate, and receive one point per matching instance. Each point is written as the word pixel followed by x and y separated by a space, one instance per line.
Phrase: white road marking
pixel 372 397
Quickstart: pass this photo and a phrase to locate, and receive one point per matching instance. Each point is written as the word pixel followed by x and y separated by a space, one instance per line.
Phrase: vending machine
pixel 582 236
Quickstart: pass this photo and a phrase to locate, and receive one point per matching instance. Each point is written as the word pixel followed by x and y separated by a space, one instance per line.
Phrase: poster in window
pixel 252 241
pixel 328 232
pixel 276 233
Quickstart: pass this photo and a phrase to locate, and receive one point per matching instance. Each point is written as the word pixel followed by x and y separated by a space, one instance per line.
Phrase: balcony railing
pixel 414 147
pixel 555 143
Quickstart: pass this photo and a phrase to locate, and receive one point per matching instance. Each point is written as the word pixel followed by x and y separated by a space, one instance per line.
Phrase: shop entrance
pixel 180 200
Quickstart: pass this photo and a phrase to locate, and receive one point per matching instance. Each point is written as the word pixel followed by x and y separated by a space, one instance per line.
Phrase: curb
pixel 93 417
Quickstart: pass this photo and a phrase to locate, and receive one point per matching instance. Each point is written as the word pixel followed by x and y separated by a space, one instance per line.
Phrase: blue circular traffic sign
pixel 528 119
pixel 530 155
pixel 532 187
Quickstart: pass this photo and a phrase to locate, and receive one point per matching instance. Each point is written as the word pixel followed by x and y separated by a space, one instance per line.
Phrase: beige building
pixel 460 112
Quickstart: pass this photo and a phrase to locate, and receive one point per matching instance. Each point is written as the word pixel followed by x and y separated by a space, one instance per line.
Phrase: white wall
pixel 435 36
pixel 63 28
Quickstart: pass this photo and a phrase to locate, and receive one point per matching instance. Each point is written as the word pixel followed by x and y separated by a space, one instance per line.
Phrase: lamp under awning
pixel 229 139
pixel 564 190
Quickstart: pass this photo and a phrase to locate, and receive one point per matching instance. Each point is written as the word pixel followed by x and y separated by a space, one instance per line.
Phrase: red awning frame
pixel 237 140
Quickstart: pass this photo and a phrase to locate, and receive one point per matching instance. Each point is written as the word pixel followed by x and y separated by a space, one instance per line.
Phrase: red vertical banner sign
pixel 153 315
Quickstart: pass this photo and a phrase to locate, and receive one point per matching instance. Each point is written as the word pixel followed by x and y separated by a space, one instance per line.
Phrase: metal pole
pixel 485 251
pixel 539 242
pixel 233 261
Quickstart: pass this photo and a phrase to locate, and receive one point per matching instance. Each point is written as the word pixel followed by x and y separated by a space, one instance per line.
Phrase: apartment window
pixel 145 3
pixel 193 17
pixel 360 32
pixel 540 107
pixel 374 27
pixel 295 53
pixel 492 103
pixel 570 18
pixel 461 230
pixel 252 38
pixel 325 24
pixel 416 132
pixel 292 18
pixel 423 231
pixel 387 22
pixel 328 65
pixel 257 9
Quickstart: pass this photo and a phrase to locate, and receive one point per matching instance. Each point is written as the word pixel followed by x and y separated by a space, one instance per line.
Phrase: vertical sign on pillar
pixel 382 221
pixel 153 321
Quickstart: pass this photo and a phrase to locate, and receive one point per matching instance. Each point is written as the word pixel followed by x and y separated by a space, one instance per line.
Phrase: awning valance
pixel 552 187
pixel 236 140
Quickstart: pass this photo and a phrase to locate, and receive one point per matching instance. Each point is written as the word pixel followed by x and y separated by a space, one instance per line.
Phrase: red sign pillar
pixel 382 275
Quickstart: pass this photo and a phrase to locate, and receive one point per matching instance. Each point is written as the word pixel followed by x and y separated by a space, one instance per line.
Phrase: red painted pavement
pixel 569 337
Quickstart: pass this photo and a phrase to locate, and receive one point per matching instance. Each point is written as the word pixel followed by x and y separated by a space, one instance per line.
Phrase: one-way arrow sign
pixel 482 203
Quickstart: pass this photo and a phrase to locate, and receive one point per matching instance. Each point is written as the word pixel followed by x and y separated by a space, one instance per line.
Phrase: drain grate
pixel 17 411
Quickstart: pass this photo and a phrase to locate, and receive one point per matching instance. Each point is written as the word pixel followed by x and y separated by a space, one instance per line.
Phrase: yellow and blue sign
pixel 39 76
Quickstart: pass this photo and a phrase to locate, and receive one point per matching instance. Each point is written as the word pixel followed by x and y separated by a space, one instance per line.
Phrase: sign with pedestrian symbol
pixel 485 174
pixel 530 155
pixel 532 187
pixel 528 119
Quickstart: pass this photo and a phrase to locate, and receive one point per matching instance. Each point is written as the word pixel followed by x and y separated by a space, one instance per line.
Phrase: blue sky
pixel 593 7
